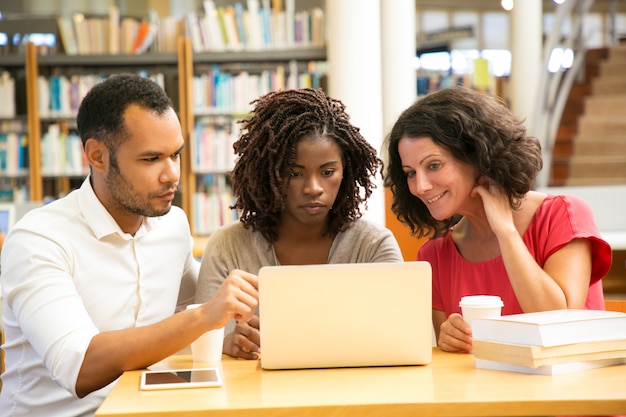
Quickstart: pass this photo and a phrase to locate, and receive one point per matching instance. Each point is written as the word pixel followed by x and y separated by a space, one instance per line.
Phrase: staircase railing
pixel 554 87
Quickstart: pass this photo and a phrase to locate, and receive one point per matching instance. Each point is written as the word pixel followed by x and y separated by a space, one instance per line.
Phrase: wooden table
pixel 449 386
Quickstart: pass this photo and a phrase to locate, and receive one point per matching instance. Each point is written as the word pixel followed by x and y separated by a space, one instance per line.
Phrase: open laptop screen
pixel 345 315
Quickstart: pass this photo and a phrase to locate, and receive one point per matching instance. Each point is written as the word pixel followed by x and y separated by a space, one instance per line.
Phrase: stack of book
pixel 550 342
pixel 112 34
pixel 255 25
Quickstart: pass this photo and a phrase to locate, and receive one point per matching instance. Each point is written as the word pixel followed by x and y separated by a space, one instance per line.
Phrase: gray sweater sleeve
pixel 365 242
pixel 231 247
pixel 234 247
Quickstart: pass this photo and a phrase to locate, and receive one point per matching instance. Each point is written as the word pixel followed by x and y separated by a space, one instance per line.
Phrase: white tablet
pixel 181 378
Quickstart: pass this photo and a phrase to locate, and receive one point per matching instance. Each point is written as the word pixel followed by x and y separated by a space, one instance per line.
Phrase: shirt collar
pixel 100 220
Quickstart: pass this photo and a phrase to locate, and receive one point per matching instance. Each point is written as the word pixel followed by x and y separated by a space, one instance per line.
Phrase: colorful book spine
pixel 240 23
pixel 62 153
pixel 13 153
pixel 260 24
pixel 219 92
pixel 7 95
pixel 212 204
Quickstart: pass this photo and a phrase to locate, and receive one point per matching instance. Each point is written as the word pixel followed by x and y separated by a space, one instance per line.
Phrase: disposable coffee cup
pixel 207 347
pixel 480 307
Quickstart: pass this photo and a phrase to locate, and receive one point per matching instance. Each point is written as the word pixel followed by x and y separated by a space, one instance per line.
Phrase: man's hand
pixel 236 298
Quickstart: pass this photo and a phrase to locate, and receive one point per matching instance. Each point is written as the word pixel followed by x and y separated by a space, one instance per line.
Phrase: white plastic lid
pixel 481 301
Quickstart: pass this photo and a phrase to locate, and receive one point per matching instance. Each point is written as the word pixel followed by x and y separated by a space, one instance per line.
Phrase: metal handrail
pixel 554 88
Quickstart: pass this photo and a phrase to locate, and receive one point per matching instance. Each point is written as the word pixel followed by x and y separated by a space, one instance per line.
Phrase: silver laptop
pixel 345 315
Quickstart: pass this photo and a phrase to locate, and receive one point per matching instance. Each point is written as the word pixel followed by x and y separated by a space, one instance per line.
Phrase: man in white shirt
pixel 91 282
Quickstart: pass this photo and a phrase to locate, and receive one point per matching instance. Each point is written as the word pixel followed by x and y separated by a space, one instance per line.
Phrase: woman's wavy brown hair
pixel 476 129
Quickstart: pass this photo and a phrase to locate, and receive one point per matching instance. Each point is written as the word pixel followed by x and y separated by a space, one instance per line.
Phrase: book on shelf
pixel 290 13
pixel 261 25
pixel 255 25
pixel 212 27
pixel 195 32
pixel 60 96
pixel 98 35
pixel 13 153
pixel 266 17
pixel 67 35
pixel 7 94
pixel 81 31
pixel 212 145
pixel 212 205
pixel 556 369
pixel 146 33
pixel 112 34
pixel 114 30
pixel 62 153
pixel 303 28
pixel 229 17
pixel 537 356
pixel 215 91
pixel 128 33
pixel 279 27
pixel 240 17
pixel 168 31
pixel 318 37
pixel 552 328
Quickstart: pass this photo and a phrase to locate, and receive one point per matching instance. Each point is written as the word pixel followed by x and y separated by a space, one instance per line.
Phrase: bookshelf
pixel 55 85
pixel 217 101
pixel 178 72
pixel 14 179
pixel 227 65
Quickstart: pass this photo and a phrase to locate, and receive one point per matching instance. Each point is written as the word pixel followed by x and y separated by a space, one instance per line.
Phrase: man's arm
pixel 111 353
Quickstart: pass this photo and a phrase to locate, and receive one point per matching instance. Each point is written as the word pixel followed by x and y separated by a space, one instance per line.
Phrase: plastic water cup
pixel 208 347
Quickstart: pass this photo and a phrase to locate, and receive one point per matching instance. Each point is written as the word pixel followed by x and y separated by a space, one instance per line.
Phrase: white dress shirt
pixel 70 272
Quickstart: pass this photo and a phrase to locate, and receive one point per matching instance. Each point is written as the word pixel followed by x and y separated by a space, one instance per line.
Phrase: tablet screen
pixel 181 378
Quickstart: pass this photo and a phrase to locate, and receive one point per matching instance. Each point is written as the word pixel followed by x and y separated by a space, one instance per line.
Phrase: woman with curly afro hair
pixel 302 174
pixel 461 170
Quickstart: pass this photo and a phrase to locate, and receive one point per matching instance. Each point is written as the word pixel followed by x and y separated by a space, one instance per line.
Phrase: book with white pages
pixel 552 328
pixel 555 369
pixel 536 356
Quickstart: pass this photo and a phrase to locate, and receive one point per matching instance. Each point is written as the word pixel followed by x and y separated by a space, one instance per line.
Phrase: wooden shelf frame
pixel 181 64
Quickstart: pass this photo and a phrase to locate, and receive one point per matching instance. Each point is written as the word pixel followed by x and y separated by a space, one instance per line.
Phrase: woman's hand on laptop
pixel 243 342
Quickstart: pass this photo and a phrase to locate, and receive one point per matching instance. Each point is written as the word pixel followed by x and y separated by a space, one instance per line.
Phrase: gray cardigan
pixel 235 247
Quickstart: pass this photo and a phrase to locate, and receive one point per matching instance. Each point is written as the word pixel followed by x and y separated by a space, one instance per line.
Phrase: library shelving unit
pixel 14 173
pixel 179 72
pixel 217 101
pixel 283 42
pixel 45 117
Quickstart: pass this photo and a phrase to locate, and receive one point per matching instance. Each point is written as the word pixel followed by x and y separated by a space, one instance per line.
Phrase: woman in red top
pixel 461 168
